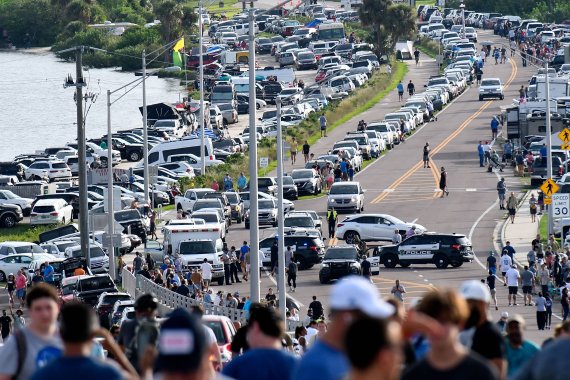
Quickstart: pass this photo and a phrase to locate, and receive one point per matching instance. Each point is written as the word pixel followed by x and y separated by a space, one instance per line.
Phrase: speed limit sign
pixel 561 205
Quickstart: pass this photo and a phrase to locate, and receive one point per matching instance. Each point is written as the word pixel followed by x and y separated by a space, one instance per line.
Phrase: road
pixel 397 184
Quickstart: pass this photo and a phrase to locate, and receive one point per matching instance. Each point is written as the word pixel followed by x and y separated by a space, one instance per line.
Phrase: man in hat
pixel 351 298
pixel 502 323
pixel 480 334
pixel 182 349
pixel 265 359
pixel 519 350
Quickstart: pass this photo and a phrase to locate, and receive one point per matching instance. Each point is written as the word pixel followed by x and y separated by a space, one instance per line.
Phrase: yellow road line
pixel 447 140
pixel 435 177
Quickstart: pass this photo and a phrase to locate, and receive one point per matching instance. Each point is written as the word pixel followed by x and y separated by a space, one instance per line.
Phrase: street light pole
pixel 201 61
pixel 110 188
pixel 145 132
pixel 548 144
pixel 280 218
pixel 462 6
pixel 253 191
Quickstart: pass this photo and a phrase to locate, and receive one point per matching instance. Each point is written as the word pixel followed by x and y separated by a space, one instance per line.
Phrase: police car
pixel 439 249
pixel 344 260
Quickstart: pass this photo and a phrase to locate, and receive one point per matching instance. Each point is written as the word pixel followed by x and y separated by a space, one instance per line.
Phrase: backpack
pixel 146 333
pixel 548 304
pixel 22 348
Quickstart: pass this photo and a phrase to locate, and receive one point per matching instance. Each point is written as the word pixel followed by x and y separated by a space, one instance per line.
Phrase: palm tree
pixel 374 13
pixel 402 22
pixel 170 14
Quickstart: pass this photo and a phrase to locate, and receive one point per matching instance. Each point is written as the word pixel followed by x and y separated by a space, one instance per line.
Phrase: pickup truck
pixel 539 171
pixel 186 202
pixel 103 153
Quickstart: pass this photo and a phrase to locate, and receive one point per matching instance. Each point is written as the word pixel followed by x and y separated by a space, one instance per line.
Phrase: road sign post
pixel 561 205
pixel 264 163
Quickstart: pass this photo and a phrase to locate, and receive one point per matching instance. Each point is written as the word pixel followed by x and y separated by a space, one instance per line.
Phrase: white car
pixel 51 211
pixel 216 117
pixel 292 95
pixel 13 263
pixel 346 196
pixel 9 198
pixel 491 88
pixel 47 170
pixel 373 227
pixel 17 247
pixel 103 153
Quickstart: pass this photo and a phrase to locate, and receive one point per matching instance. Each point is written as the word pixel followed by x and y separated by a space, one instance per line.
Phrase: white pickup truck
pixel 186 201
pixel 103 153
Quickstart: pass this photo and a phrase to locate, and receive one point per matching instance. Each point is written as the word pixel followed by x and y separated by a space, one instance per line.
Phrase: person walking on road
pixel 332 219
pixel 443 182
pixel 527 278
pixel 396 238
pixel 306 150
pixel 532 204
pixel 492 263
pixel 426 155
pixel 400 88
pixel 494 127
pixel 513 277
pixel 491 281
pixel 540 303
pixel 292 275
pixel 411 88
pixel 398 291
pixel 274 257
pixel 417 56
pixel 501 191
pixel 323 123
pixel 505 265
pixel 512 206
pixel 293 150
pixel 481 152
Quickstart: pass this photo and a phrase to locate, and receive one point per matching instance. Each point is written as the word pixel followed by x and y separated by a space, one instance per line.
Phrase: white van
pixel 51 211
pixel 160 153
pixel 322 45
pixel 175 234
pixel 194 251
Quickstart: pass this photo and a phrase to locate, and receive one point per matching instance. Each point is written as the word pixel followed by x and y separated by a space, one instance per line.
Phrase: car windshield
pixel 225 107
pixel 232 198
pixel 306 56
pixel 96 283
pixel 490 83
pixel 344 189
pixel 348 253
pixel 60 165
pixel 127 215
pixel 218 331
pixel 264 41
pixel 68 289
pixel 197 247
pixel 265 204
pixel 298 174
pixel 299 221
pixel 289 91
pixel 62 246
pixel 288 181
pixel 214 203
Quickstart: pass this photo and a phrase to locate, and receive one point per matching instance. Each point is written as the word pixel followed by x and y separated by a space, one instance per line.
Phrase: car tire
pixel 351 235
pixel 135 156
pixel 502 97
pixel 8 221
pixel 358 209
pixel 441 261
pixel 390 260
pixel 480 98
pixel 179 207
pixel 405 265
pixel 324 280
pixel 63 221
pixel 2 276
pixel 220 281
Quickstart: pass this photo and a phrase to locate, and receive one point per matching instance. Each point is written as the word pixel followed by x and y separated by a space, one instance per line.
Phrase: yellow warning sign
pixel 547 200
pixel 565 146
pixel 549 187
pixel 565 135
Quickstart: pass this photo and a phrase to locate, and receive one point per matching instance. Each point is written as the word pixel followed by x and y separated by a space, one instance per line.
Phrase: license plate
pixel 45 216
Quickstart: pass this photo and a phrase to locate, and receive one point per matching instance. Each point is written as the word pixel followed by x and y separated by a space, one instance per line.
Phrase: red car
pixel 224 330
pixel 194 60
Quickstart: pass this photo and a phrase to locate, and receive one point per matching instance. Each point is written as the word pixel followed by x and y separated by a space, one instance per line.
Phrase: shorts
pixel 493 292
pixel 323 127
pixel 207 282
pixel 493 270
pixel 21 293
pixel 293 153
pixel 527 289
pixel 513 290
pixel 426 158
pixel 512 211
pixel 502 197
pixel 504 273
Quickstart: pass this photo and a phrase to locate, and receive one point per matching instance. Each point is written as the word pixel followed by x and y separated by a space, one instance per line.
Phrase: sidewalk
pixel 522 231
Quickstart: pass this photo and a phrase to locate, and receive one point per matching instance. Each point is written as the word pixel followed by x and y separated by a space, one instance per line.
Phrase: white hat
pixel 505 315
pixel 475 290
pixel 356 293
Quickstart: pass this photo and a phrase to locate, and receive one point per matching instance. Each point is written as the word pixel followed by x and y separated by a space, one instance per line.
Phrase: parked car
pixel 308 181
pixel 229 113
pixel 10 215
pixel 51 211
pixel 346 196
pixel 47 170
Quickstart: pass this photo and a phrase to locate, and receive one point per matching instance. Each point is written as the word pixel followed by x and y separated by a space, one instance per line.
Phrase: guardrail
pixel 137 285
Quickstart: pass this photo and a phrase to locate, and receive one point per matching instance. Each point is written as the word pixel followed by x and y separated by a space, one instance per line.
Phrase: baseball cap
pixel 182 343
pixel 356 293
pixel 475 290
pixel 516 318
pixel 504 314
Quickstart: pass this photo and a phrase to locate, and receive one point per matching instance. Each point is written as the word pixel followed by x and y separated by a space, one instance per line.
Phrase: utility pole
pixel 548 144
pixel 253 191
pixel 201 61
pixel 280 219
pixel 110 189
pixel 81 151
pixel 145 132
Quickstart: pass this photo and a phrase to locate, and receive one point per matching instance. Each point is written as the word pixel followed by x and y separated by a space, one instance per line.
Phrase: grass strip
pixel 428 47
pixel 24 232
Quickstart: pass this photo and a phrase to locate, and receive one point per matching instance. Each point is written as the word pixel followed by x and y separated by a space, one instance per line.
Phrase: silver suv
pixel 491 88
pixel 346 196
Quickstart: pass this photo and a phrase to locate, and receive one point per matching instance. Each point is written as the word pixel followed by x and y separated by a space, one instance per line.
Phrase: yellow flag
pixel 179 45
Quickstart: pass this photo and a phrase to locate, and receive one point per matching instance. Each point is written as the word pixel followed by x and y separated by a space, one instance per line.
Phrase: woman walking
pixel 11 287
pixel 512 206
pixel 443 183
pixel 532 204
pixel 306 150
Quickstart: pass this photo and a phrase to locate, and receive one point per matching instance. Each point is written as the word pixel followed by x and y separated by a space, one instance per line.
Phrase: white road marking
pixel 470 189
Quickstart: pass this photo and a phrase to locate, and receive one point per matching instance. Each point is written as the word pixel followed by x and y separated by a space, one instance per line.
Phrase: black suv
pixel 105 305
pixel 133 221
pixel 129 151
pixel 429 248
pixel 308 250
pixel 272 89
pixel 339 261
pixel 12 169
pixel 10 215
pixel 89 288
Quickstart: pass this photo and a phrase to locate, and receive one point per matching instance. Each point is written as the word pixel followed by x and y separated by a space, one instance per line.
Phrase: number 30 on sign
pixel 561 205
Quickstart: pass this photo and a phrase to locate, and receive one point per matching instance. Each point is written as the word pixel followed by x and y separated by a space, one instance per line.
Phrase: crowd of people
pixel 446 334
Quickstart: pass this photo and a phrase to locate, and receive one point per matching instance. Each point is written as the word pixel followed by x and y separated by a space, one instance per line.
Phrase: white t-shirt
pixel 513 276
pixel 206 271
pixel 506 263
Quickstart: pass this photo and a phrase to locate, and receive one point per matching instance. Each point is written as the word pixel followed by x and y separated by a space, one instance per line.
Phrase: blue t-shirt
pixel 322 362
pixel 74 367
pixel 400 87
pixel 48 273
pixel 480 149
pixel 517 357
pixel 262 364
pixel 343 166
pixel 244 249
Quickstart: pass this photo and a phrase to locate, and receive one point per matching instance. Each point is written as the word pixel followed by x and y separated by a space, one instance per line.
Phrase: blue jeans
pixel 565 312
pixel 481 159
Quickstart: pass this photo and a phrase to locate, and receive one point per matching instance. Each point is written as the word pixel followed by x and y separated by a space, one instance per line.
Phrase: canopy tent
pixel 313 24
pixel 160 111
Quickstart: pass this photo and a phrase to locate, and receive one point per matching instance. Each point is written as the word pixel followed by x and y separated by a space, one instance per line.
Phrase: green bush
pixel 34 17
pixel 137 36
